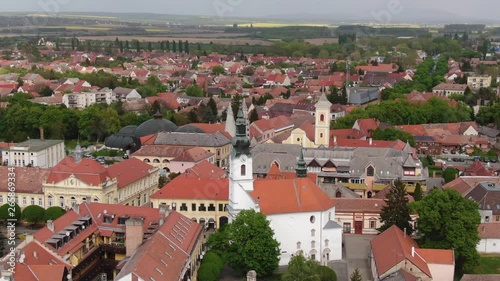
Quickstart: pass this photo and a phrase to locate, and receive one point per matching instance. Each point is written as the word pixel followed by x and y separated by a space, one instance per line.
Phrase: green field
pixel 488 265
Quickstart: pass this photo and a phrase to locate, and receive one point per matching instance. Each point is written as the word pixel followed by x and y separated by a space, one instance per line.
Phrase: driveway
pixel 357 248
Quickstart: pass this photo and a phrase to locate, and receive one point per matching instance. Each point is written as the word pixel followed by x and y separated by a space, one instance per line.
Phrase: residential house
pixel 447 89
pixel 487 195
pixel 96 240
pixel 394 253
pixel 125 94
pixel 218 143
pixel 490 238
pixel 358 215
pixel 381 67
pixel 362 96
pixel 476 82
pixel 85 99
pixel 35 153
pixel 189 158
pixel 265 129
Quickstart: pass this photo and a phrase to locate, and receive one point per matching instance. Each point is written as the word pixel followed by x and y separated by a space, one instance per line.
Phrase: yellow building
pixel 73 180
pixel 203 200
pixel 477 82
pixel 303 136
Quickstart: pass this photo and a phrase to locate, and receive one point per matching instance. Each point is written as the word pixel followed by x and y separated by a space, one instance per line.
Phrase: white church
pixel 300 213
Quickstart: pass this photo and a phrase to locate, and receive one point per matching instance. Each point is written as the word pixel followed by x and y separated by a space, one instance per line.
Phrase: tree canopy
pixel 247 243
pixel 396 210
pixel 300 268
pixel 6 212
pixel 33 214
pixel 53 213
pixel 446 220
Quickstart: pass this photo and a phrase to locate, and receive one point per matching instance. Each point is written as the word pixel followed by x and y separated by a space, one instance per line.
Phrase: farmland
pixel 191 39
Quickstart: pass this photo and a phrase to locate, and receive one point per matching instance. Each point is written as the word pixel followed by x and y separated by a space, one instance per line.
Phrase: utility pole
pixel 347 79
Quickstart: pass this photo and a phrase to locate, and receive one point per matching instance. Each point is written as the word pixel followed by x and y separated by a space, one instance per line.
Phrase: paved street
pixel 357 249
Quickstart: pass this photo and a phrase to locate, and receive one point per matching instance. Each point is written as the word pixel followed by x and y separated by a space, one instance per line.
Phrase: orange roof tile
pixel 489 230
pixel 87 170
pixel 194 188
pixel 129 171
pixel 195 154
pixel 28 180
pixel 437 256
pixel 289 196
pixel 371 205
pixel 205 169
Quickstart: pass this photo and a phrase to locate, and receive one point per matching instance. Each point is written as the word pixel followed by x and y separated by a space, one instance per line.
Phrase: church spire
pixel 301 169
pixel 241 142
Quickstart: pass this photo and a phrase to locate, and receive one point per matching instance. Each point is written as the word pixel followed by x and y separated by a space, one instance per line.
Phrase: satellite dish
pixel 68 276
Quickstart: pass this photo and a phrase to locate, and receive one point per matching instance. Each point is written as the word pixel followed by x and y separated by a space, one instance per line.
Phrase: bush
pixel 213 258
pixel 6 212
pixel 210 268
pixel 326 273
pixel 53 213
pixel 33 214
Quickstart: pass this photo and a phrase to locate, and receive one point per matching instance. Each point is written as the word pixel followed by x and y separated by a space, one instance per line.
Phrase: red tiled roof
pixel 345 134
pixel 129 171
pixel 164 255
pixel 28 180
pixel 194 188
pixel 392 247
pixel 195 154
pixel 438 256
pixel 352 205
pixel 477 169
pixel 465 184
pixel 160 151
pixel 363 143
pixel 205 169
pixel 87 170
pixel 149 139
pixel 381 67
pixel 289 196
pixel 489 230
pixel 367 125
pixel 39 272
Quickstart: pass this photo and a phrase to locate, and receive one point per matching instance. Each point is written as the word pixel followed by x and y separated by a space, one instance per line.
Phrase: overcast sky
pixel 366 9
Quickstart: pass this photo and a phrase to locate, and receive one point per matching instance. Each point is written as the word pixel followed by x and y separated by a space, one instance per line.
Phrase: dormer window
pixel 370 171
pixel 122 219
pixel 108 218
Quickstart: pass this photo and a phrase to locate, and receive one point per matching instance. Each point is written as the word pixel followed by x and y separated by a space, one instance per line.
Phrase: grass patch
pixel 156 30
pixel 488 265
pixel 108 153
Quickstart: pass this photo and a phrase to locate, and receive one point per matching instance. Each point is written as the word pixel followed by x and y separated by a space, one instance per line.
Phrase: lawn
pixel 488 265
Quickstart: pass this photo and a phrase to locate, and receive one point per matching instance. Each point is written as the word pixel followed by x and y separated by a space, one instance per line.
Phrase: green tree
pixel 356 276
pixel 193 116
pixel 150 46
pixel 162 181
pixel 212 105
pixel 180 46
pixel 10 212
pixel 121 46
pixel 218 70
pixel 417 194
pixel 450 174
pixel 53 213
pixel 137 46
pixel 194 90
pixel 248 243
pixel 186 47
pixel 300 268
pixel 396 210
pixel 33 214
pixel 46 91
pixel 167 45
pixel 446 220
pixel 254 116
pixel 210 268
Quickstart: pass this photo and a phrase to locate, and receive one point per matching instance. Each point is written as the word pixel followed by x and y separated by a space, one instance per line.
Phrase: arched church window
pixel 370 171
pixel 243 170
pixel 322 118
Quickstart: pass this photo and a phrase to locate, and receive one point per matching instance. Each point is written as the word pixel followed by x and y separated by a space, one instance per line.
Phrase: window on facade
pixel 40 202
pixel 298 245
pixel 1 198
pixel 487 218
pixel 497 218
pixel 211 208
pixel 313 244
pixel 184 207
pixel 322 118
pixel 32 201
pixel 347 227
pixel 221 207
pixel 338 194
pixel 73 201
pixel 96 200
pixel 370 171
pixel 313 232
pixel 61 201
pixel 326 242
pixel 373 224
pixel 243 170
pixel 144 198
pixel 50 202
pixel 24 201
pixel 193 207
pixel 312 219
pixel 202 208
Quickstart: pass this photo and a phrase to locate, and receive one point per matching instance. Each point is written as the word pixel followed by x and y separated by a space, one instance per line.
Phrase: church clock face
pixel 243 158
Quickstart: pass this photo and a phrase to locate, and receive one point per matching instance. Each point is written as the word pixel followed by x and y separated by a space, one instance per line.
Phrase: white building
pixel 85 99
pixel 36 153
pixel 300 213
pixel 490 238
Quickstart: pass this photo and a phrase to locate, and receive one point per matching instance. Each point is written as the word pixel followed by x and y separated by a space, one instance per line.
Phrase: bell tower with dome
pixel 240 170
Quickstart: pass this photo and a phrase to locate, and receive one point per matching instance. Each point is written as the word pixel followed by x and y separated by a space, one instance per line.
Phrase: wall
pixel 299 134
pixel 442 272
pixel 300 223
pixel 351 217
pixel 20 196
pixel 490 245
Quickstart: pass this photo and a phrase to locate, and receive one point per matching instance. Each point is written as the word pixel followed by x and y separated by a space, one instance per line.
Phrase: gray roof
pixel 277 148
pixel 154 126
pixel 265 154
pixel 122 91
pixel 487 131
pixel 192 139
pixel 331 224
pixel 363 95
pixel 189 129
pixel 323 102
pixel 35 145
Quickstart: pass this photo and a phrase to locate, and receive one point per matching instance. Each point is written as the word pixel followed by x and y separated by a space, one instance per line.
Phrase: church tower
pixel 322 125
pixel 240 170
pixel 301 170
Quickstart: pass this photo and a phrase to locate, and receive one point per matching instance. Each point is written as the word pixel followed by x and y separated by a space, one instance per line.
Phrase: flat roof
pixel 33 145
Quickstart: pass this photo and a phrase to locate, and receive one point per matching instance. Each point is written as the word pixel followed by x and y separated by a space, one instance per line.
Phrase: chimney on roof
pixel 42 134
pixel 76 208
pixel 164 212
pixel 413 251
pixel 50 225
pixel 29 238
pixel 134 235
pixel 334 140
pixel 370 141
